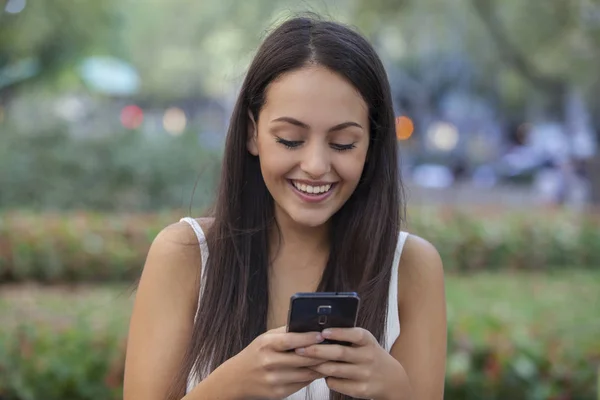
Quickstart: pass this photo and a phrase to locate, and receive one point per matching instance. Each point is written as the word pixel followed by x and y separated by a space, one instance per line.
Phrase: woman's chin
pixel 305 218
pixel 311 221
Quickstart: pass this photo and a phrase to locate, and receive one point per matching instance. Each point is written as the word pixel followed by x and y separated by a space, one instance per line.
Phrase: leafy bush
pixel 119 172
pixel 522 240
pixel 85 246
pixel 77 247
pixel 79 363
pixel 72 363
pixel 513 364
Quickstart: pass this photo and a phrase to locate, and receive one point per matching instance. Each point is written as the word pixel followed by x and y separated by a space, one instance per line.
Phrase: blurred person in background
pixel 309 200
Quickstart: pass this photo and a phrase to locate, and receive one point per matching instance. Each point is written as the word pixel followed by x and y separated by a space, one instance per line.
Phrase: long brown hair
pixel 364 232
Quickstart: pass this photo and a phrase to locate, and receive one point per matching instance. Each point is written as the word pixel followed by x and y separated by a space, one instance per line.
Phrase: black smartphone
pixel 314 312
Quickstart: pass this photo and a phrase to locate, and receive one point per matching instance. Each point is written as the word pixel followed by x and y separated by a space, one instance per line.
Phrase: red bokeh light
pixel 132 116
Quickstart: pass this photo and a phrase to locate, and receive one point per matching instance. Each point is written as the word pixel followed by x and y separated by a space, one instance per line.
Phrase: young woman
pixel 309 200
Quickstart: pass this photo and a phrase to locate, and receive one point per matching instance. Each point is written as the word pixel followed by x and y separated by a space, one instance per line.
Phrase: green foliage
pixel 210 42
pixel 72 363
pixel 511 336
pixel 513 364
pixel 525 240
pixel 123 171
pixel 77 362
pixel 54 34
pixel 523 335
pixel 83 246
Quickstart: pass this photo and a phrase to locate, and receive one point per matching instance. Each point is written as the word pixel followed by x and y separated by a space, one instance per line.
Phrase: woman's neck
pixel 301 246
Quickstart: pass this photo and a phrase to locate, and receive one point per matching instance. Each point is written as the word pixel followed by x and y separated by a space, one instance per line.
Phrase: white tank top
pixel 318 389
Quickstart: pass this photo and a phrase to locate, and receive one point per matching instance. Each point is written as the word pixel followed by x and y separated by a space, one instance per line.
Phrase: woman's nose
pixel 316 160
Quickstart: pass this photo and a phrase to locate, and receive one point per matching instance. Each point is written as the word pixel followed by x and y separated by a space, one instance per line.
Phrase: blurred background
pixel 112 123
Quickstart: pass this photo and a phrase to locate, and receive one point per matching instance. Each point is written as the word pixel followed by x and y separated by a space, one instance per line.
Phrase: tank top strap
pixel 399 247
pixel 393 321
pixel 203 252
pixel 201 238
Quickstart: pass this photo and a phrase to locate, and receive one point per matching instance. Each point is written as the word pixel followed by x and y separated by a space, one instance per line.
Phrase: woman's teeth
pixel 311 189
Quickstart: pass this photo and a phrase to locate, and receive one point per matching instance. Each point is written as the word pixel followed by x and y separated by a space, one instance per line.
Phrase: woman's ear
pixel 251 142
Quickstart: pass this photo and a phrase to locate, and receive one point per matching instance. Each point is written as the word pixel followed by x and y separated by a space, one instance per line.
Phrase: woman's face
pixel 312 139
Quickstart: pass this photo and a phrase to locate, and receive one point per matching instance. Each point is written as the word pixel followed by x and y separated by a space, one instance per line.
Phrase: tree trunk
pixel 594 174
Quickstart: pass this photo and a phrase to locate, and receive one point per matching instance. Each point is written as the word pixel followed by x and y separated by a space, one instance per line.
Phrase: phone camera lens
pixel 324 310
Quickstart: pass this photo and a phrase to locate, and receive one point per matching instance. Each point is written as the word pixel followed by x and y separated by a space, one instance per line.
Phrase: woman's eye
pixel 342 147
pixel 290 144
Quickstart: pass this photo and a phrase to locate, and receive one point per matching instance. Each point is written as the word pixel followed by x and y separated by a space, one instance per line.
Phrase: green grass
pixel 58 306
pixel 563 306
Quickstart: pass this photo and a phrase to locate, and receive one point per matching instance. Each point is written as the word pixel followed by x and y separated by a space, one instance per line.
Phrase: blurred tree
pixel 37 43
pixel 551 45
pixel 373 15
pixel 526 56
pixel 555 48
pixel 183 49
pixel 520 49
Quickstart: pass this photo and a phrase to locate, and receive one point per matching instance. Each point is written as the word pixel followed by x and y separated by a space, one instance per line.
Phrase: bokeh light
pixel 404 128
pixel 15 6
pixel 174 121
pixel 443 136
pixel 132 116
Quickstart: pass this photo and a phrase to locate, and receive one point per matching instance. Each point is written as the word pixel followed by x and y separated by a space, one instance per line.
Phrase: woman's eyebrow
pixel 302 125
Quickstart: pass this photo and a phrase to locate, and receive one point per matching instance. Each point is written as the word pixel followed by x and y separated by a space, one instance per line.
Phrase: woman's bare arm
pixel 163 313
pixel 421 347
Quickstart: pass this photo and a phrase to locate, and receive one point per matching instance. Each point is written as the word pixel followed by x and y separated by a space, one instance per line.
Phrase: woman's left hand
pixel 364 370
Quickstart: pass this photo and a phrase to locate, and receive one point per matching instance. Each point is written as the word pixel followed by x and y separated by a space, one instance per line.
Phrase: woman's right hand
pixel 267 369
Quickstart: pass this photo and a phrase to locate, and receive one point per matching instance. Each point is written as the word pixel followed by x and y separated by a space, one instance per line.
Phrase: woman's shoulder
pixel 420 267
pixel 180 237
pixel 175 251
pixel 172 270
pixel 418 248
pixel 205 223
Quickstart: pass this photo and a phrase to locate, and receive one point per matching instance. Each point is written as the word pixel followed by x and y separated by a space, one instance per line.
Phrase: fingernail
pixel 300 350
pixel 319 337
pixel 326 333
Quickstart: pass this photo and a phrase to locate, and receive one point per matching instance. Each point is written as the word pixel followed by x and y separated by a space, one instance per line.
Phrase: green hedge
pixel 513 365
pixel 524 239
pixel 123 171
pixel 80 363
pixel 78 246
pixel 75 363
